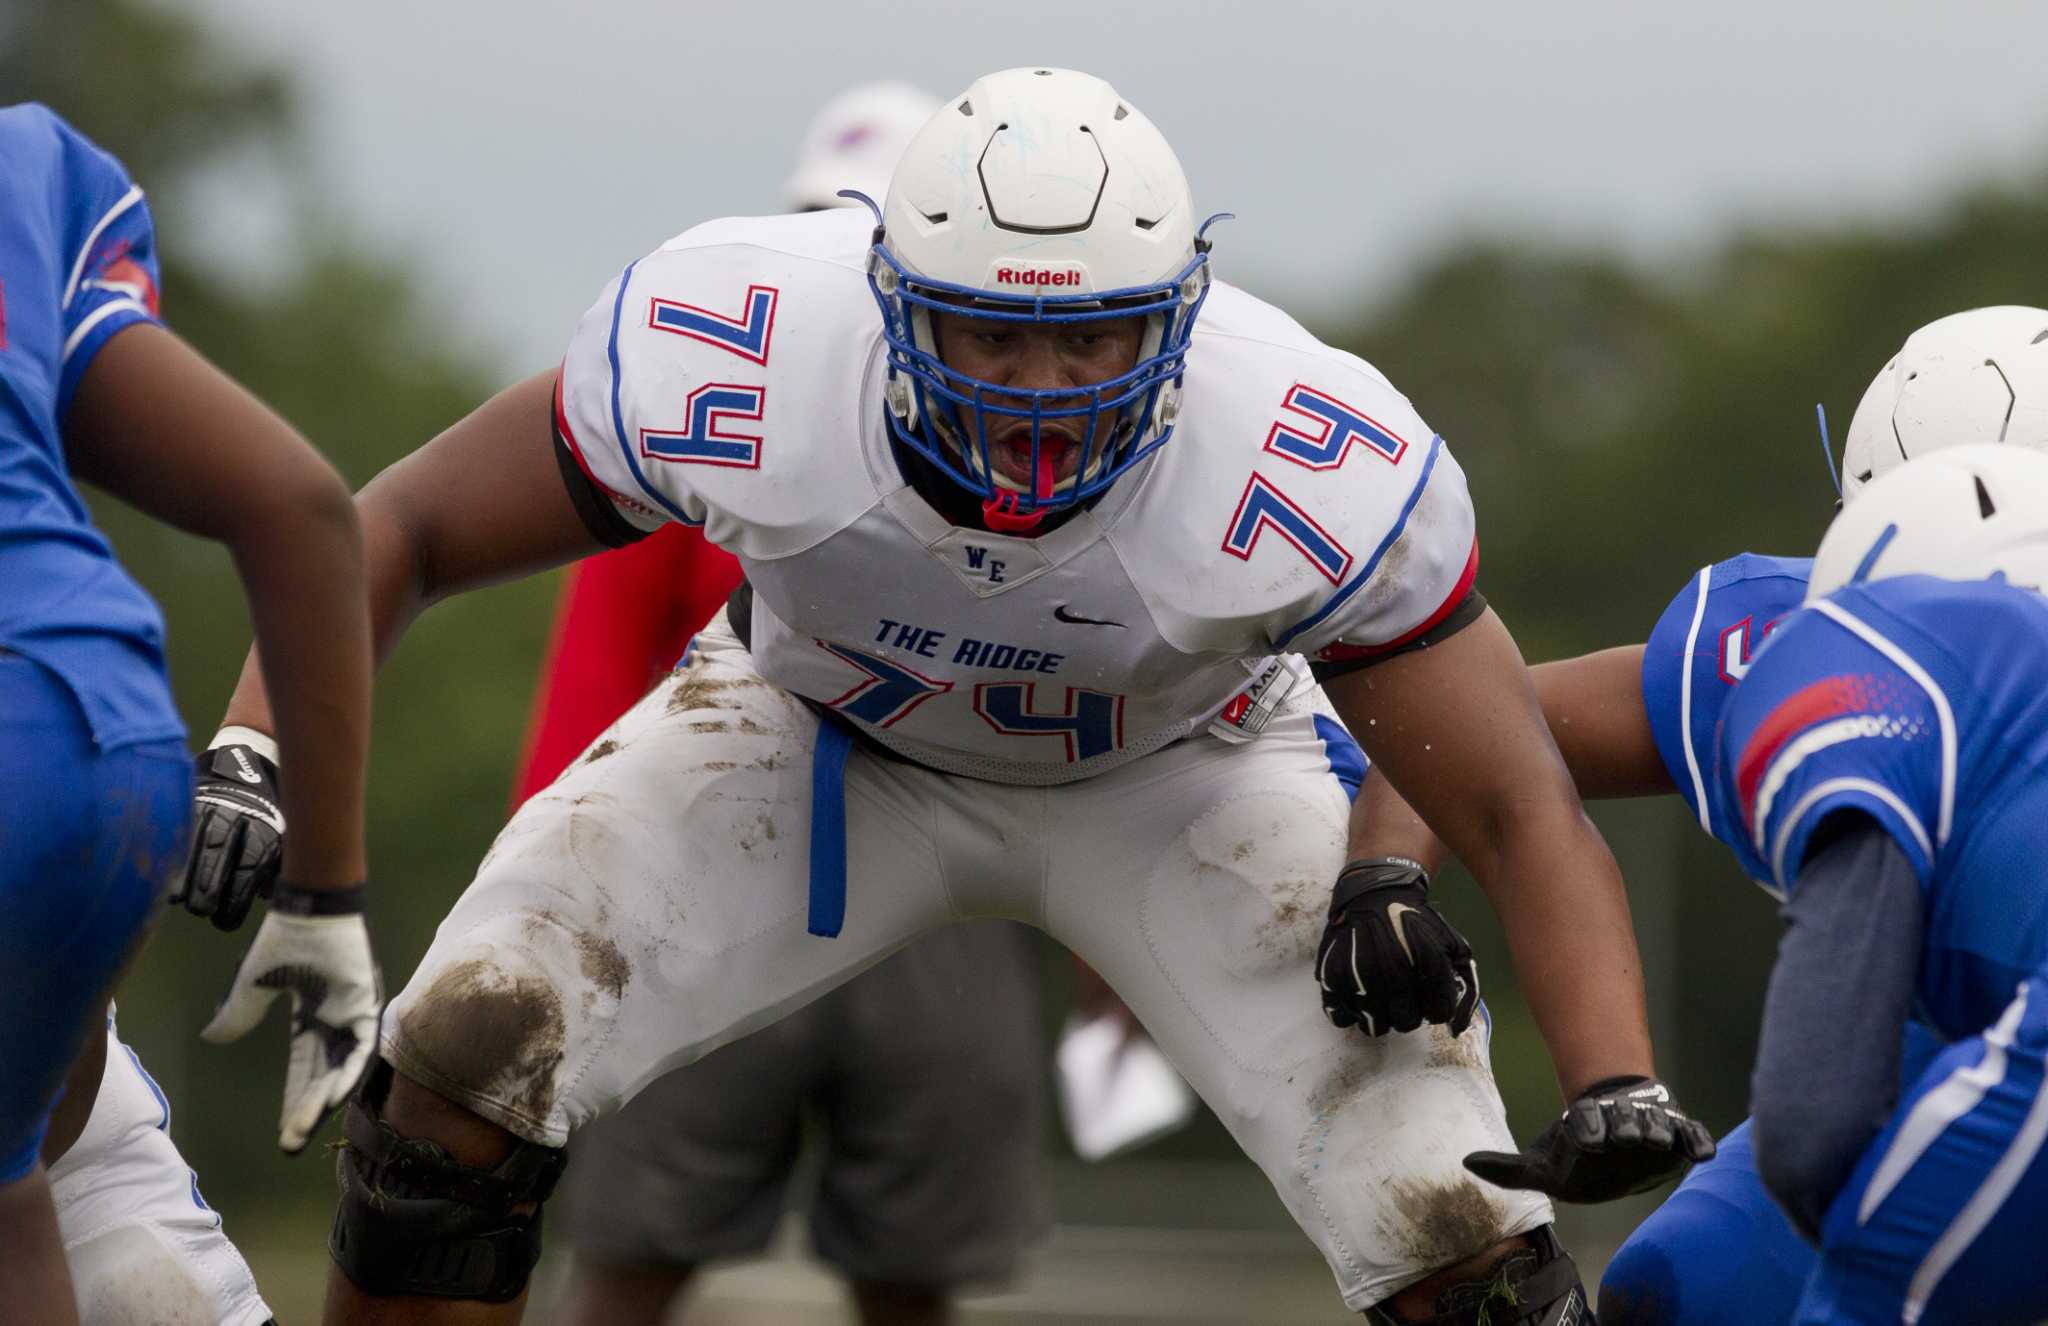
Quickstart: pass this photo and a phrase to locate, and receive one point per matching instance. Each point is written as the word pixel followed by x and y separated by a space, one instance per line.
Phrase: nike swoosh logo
pixel 1398 915
pixel 1060 613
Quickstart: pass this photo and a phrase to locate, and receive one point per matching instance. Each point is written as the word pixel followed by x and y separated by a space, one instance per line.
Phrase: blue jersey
pixel 1923 704
pixel 77 265
pixel 1700 648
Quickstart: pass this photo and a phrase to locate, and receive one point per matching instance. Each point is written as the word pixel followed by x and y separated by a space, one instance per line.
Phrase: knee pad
pixel 1533 1286
pixel 413 1220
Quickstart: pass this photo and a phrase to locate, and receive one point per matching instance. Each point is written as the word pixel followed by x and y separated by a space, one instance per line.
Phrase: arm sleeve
pixel 1827 1070
pixel 110 276
pixel 622 619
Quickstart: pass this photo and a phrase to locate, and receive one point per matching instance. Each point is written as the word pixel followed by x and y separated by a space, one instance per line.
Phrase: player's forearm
pixel 303 572
pixel 480 504
pixel 1593 706
pixel 396 594
pixel 1383 824
pixel 1559 896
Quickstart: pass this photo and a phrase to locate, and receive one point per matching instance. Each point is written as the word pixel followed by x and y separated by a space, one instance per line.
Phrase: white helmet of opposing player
pixel 1978 376
pixel 854 142
pixel 1963 513
pixel 1037 196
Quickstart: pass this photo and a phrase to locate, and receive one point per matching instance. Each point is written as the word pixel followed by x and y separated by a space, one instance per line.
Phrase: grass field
pixel 1247 1267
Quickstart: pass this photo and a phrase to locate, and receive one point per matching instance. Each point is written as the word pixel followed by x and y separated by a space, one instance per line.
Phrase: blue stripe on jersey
pixel 1347 758
pixel 611 351
pixel 1436 446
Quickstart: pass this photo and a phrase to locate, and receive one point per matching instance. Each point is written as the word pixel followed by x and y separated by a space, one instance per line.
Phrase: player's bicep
pixel 1594 706
pixel 158 426
pixel 483 502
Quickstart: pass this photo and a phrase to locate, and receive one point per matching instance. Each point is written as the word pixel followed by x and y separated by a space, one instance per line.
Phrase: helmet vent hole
pixel 1142 224
pixel 966 108
pixel 1984 506
pixel 1043 73
pixel 934 218
pixel 1122 111
pixel 2039 337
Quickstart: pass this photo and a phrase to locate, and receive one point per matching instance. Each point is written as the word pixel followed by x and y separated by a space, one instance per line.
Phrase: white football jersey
pixel 733 379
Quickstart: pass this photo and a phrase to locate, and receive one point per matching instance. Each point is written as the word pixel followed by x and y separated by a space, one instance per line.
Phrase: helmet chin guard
pixel 1038 198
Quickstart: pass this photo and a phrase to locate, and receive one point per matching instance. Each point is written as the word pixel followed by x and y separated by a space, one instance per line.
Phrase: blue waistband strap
pixel 828 827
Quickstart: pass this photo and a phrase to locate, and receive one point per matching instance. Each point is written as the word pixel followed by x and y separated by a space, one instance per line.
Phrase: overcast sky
pixel 522 151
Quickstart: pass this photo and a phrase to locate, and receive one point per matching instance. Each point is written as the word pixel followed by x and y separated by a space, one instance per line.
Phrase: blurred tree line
pixel 1619 431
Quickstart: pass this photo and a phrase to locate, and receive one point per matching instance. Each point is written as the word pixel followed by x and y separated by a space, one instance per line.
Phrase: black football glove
pixel 237 833
pixel 1389 961
pixel 1622 1135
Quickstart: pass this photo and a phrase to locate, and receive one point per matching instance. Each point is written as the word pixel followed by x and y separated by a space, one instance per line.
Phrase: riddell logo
pixel 1036 276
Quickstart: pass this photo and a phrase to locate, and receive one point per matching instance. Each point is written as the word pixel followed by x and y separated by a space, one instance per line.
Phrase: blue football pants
pixel 1719 1252
pixel 1942 1221
pixel 88 842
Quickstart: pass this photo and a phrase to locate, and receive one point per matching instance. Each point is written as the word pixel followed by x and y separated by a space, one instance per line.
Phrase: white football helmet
pixel 1963 513
pixel 1979 376
pixel 854 143
pixel 1037 196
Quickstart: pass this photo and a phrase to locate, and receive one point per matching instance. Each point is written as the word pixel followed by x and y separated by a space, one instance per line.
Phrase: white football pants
pixel 141 1244
pixel 651 906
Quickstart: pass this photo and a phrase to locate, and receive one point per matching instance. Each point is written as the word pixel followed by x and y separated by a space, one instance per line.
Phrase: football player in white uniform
pixel 1030 559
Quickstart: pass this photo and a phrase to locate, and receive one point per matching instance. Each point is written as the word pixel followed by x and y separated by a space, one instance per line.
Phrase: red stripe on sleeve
pixel 1831 697
pixel 1338 651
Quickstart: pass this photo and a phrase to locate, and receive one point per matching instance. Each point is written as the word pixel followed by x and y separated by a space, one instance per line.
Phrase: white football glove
pixel 315 947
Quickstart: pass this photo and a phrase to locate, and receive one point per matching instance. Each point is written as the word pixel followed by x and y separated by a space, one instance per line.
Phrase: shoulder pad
pixel 723 381
pixel 1303 504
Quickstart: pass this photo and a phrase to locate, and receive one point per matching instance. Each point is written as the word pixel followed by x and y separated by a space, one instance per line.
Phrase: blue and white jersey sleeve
pixel 1836 715
pixel 1700 648
pixel 109 244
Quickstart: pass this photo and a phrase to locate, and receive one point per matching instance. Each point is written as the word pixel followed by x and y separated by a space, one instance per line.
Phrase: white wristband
pixel 262 744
